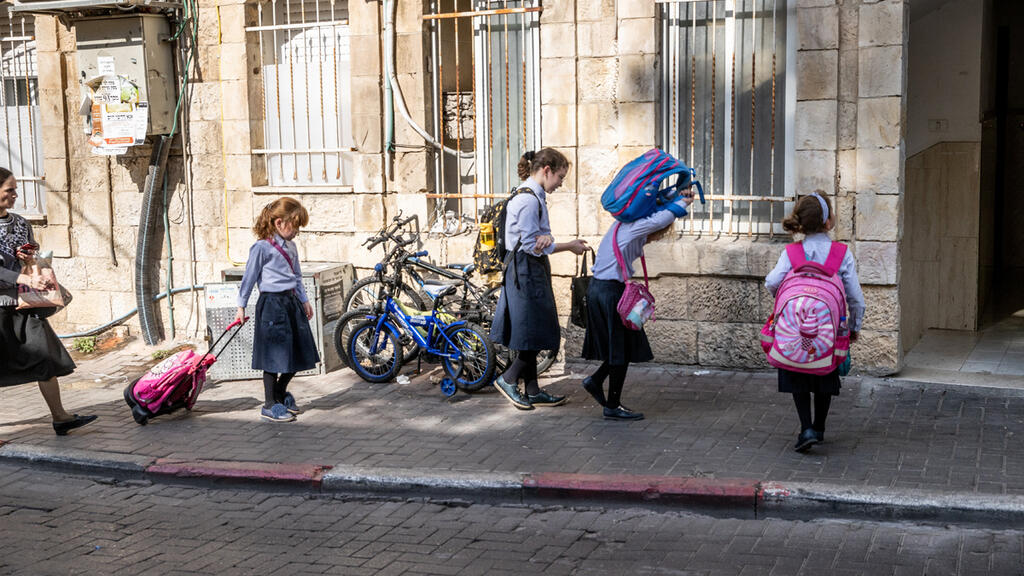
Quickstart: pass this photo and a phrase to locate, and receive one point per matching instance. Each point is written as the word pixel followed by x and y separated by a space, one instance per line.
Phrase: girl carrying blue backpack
pixel 803 325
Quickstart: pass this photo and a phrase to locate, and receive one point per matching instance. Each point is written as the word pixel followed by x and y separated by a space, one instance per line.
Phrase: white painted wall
pixel 944 70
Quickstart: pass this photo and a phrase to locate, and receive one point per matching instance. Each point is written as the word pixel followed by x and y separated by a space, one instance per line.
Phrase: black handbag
pixel 580 284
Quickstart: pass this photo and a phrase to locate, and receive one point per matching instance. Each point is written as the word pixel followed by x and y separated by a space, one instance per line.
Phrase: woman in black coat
pixel 29 349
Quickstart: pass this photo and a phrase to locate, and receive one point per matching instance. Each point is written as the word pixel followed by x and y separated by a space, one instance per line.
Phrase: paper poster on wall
pixel 105 65
pixel 118 118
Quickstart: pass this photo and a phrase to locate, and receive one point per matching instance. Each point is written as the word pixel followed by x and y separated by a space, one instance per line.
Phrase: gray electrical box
pixel 137 47
pixel 326 284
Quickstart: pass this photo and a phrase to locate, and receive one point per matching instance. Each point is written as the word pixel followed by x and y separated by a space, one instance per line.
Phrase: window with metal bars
pixel 486 99
pixel 21 144
pixel 305 71
pixel 723 109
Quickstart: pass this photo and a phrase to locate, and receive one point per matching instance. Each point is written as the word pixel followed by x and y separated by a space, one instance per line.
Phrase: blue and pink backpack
pixel 636 190
pixel 807 331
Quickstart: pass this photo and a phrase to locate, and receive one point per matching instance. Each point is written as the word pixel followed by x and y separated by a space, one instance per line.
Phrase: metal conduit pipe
pixel 389 67
pixel 122 319
pixel 148 248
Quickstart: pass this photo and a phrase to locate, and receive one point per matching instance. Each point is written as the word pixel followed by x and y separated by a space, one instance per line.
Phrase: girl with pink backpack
pixel 819 307
pixel 618 308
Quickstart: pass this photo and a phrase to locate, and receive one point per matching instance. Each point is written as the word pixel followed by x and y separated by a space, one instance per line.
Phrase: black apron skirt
pixel 283 341
pixel 607 338
pixel 29 348
pixel 526 317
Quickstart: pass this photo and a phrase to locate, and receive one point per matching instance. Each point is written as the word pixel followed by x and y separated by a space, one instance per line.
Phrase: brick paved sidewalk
pixel 699 424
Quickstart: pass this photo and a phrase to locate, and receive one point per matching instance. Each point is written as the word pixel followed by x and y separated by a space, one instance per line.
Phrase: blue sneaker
pixel 289 403
pixel 277 413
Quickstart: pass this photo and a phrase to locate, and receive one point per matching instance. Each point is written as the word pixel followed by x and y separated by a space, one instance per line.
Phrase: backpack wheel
pixel 139 413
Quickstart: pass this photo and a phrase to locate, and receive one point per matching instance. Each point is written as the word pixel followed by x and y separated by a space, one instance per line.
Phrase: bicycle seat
pixel 439 290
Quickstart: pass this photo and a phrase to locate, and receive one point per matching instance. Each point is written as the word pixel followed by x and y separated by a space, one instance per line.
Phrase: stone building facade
pixel 846 126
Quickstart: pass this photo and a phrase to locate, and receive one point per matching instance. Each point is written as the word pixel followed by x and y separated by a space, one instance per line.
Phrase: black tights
pixel 525 367
pixel 616 378
pixel 274 387
pixel 822 401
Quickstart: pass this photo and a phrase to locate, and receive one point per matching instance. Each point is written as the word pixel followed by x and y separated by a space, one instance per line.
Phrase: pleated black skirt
pixel 607 338
pixel 790 382
pixel 29 348
pixel 283 341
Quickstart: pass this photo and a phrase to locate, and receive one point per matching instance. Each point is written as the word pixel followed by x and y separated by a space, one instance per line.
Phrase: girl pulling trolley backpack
pixel 174 383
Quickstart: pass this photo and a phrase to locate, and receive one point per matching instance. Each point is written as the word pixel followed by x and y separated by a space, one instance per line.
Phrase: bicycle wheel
pixel 352 318
pixel 363 294
pixel 476 367
pixel 374 355
pixel 343 329
pixel 545 359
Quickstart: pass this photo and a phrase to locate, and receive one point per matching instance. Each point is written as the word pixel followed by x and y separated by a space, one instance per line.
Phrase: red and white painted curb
pixel 737 496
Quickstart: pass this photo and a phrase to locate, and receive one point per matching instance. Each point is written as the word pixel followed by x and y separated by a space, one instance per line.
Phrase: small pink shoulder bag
pixel 636 306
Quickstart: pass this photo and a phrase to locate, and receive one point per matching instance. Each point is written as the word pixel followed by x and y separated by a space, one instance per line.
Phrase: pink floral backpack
pixel 636 306
pixel 807 330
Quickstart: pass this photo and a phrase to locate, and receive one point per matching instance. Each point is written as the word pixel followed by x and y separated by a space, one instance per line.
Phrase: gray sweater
pixel 15 231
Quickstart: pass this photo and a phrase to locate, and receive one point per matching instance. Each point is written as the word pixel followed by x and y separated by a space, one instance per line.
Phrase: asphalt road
pixel 57 523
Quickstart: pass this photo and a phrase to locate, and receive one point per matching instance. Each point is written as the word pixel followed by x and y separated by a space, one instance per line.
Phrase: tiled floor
pixel 997 350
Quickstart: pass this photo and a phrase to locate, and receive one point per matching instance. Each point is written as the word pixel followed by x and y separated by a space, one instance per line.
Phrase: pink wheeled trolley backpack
pixel 174 383
pixel 807 331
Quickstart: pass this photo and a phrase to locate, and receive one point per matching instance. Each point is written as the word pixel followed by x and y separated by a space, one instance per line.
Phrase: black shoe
pixel 821 435
pixel 543 399
pixel 621 413
pixel 595 390
pixel 805 440
pixel 62 428
pixel 511 392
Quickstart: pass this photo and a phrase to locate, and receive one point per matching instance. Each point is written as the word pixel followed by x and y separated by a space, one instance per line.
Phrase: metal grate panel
pixel 326 285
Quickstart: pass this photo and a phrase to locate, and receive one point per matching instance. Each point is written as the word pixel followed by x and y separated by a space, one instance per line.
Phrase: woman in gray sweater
pixel 29 349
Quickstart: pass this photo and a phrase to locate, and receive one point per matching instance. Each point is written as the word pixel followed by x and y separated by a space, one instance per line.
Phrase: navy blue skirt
pixel 607 338
pixel 283 342
pixel 526 317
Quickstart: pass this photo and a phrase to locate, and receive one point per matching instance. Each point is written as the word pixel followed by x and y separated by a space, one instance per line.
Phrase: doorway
pixel 1001 273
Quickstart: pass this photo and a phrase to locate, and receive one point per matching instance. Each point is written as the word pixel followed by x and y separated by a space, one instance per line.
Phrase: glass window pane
pixel 307 104
pixel 21 148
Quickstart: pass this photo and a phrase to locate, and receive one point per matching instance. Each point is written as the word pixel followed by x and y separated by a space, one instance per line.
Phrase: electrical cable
pixel 124 318
pixel 389 66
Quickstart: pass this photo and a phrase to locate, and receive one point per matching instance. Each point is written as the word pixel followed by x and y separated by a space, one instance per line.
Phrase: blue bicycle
pixel 464 349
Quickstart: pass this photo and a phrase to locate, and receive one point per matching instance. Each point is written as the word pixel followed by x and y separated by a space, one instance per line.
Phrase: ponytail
pixel 534 161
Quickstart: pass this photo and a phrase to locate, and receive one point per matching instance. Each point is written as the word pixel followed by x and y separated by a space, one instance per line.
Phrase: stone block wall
pixel 599 91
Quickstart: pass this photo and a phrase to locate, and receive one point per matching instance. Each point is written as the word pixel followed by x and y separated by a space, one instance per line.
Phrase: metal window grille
pixel 21 148
pixel 724 109
pixel 486 98
pixel 304 65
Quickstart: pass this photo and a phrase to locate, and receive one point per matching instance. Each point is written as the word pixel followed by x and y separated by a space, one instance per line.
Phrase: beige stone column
pixel 52 54
pixel 851 76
